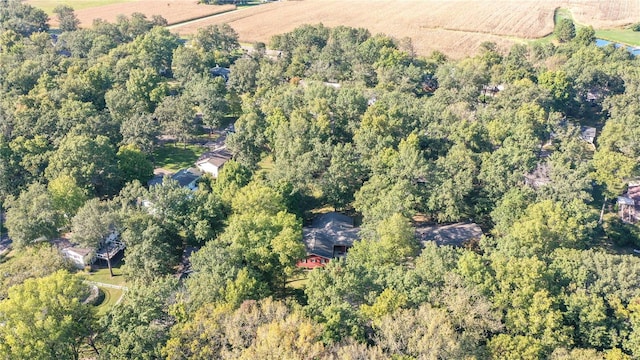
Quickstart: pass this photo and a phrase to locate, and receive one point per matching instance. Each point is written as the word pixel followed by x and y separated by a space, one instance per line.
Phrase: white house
pixel 212 162
pixel 79 257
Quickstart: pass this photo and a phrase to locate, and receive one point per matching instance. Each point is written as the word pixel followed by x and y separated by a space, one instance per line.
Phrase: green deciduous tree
pixel 177 116
pixel 93 222
pixel 22 18
pixel 565 30
pixel 90 161
pixel 32 216
pixel 31 262
pixel 138 327
pixel 149 253
pixel 133 164
pixel 46 319
pixel 67 19
pixel 67 196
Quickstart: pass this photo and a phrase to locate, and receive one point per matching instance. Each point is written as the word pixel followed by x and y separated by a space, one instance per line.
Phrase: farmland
pixel 456 28
pixel 174 11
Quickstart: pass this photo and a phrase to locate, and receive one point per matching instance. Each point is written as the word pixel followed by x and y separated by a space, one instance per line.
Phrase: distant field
pixel 455 27
pixel 49 5
pixel 174 11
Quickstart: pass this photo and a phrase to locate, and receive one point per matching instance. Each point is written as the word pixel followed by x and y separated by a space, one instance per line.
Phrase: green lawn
pixel 49 5
pixel 111 296
pixel 174 157
pixel 298 283
pixel 623 36
pixel 102 276
pixel 265 165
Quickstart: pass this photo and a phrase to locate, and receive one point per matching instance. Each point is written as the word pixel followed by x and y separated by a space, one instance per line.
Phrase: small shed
pixel 220 72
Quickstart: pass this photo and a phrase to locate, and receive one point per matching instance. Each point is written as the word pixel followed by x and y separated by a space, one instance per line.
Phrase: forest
pixel 325 119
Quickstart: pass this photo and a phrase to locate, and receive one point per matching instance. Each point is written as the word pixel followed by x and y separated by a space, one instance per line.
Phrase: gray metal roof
pixel 185 177
pixel 329 230
pixel 216 157
pixel 454 234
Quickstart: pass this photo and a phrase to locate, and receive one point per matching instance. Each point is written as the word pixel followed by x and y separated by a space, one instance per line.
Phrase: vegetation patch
pixel 101 275
pixel 622 36
pixel 111 297
pixel 49 5
pixel 174 157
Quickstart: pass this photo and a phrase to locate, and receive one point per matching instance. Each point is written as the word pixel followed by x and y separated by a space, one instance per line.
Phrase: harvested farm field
pixel 454 27
pixel 175 11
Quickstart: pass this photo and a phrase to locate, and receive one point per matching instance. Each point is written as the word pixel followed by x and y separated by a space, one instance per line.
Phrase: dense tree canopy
pixel 327 119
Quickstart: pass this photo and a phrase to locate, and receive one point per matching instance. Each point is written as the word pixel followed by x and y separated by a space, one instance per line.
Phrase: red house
pixel 330 236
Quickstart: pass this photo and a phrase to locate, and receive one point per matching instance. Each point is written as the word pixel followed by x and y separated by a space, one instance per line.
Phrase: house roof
pixel 220 71
pixel 78 251
pixel 185 177
pixel 623 200
pixel 588 134
pixel 454 234
pixel 633 192
pixel 216 157
pixel 538 177
pixel 327 231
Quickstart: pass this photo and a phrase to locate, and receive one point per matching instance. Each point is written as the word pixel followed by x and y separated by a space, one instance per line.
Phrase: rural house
pixel 187 178
pixel 220 72
pixel 79 257
pixel 588 134
pixel 330 236
pixel 629 203
pixel 109 247
pixel 212 162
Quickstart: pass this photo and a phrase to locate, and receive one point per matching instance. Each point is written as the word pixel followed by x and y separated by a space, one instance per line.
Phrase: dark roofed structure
pixel 329 236
pixel 538 177
pixel 187 177
pixel 588 134
pixel 221 72
pixel 453 234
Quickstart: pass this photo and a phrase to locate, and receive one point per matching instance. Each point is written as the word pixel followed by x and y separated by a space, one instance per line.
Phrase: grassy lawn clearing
pixel 265 165
pixel 299 282
pixel 49 5
pixel 174 157
pixel 623 36
pixel 101 275
pixel 111 296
